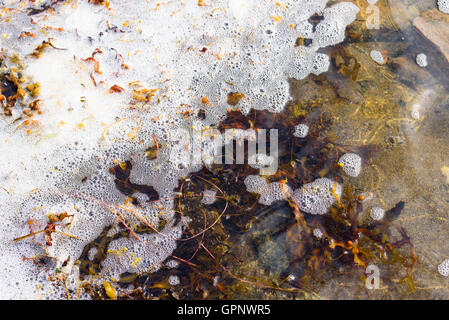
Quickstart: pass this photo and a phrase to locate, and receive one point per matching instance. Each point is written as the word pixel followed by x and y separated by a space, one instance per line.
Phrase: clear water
pixel 403 109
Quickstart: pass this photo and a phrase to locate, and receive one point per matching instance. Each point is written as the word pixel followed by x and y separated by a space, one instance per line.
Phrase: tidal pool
pixel 199 232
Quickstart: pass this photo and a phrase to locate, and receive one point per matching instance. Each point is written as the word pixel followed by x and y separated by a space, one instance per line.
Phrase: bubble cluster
pixel 269 192
pixel 318 196
pixel 255 183
pixel 377 56
pixel 174 280
pixel 274 191
pixel 415 114
pixel 421 60
pixel 318 233
pixel 168 63
pixel 209 197
pixel 144 255
pixel 351 164
pixel 443 268
pixel 377 213
pixel 301 130
pixel 365 196
pixel 443 6
pixel 170 264
pixel 260 160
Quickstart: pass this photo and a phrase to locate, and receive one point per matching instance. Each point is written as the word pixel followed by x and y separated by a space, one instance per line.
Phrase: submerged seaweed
pixel 224 238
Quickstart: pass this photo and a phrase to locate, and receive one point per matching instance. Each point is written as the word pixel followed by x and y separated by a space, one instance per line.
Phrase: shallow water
pixel 396 115
pixel 403 109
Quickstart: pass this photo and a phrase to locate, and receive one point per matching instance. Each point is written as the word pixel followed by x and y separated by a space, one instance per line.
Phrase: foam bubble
pixel 377 213
pixel 260 160
pixel 255 183
pixel 415 114
pixel 443 6
pixel 301 130
pixel 209 197
pixel 162 66
pixel 318 233
pixel 421 60
pixel 275 191
pixel 269 192
pixel 377 56
pixel 443 268
pixel 318 196
pixel 172 264
pixel 351 164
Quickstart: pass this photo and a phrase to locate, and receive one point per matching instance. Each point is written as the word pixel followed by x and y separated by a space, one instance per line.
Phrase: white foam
pixel 275 191
pixel 377 56
pixel 415 114
pixel 443 6
pixel 255 183
pixel 318 233
pixel 301 130
pixel 209 197
pixel 351 164
pixel 421 60
pixel 174 280
pixel 172 264
pixel 377 213
pixel 269 192
pixel 167 58
pixel 260 160
pixel 318 196
pixel 443 268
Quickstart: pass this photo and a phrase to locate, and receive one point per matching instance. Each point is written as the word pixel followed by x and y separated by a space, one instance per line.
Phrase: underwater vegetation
pixel 297 250
pixel 366 127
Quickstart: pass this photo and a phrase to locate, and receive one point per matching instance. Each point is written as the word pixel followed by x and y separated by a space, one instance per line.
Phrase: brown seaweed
pixel 279 238
pixel 122 172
